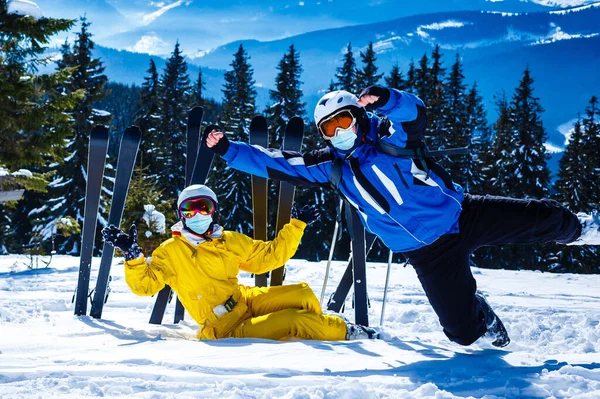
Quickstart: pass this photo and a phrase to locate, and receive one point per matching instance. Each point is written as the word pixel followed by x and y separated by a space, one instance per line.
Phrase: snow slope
pixel 46 352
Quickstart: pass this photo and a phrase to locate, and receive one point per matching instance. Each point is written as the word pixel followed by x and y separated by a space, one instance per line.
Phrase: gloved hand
pixel 308 213
pixel 125 242
pixel 374 96
pixel 218 142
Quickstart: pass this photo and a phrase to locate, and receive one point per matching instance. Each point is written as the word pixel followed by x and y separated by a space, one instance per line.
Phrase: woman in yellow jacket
pixel 201 263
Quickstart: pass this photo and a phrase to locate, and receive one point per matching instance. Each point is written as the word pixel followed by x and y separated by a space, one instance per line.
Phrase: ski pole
pixel 331 249
pixel 387 280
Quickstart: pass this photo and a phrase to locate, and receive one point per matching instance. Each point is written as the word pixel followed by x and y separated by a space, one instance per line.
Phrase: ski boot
pixel 356 331
pixel 495 328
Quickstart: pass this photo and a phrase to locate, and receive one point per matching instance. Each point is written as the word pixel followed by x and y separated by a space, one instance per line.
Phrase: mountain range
pixel 560 47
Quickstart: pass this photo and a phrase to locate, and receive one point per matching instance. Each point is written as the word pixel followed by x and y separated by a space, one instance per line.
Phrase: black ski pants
pixel 443 267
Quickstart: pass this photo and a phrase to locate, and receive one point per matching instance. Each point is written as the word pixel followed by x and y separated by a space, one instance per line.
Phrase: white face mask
pixel 199 224
pixel 344 140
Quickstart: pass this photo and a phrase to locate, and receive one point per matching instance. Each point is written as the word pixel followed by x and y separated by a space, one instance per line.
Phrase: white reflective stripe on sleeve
pixel 389 184
pixel 367 196
pixel 296 161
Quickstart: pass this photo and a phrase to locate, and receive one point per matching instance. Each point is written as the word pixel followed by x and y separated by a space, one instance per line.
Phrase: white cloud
pixel 552 149
pixel 148 18
pixel 566 129
pixel 153 45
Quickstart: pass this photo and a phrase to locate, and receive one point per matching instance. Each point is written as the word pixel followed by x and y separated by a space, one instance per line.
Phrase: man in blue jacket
pixel 410 202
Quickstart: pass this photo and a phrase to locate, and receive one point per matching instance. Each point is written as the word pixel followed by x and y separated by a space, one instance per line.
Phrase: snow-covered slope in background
pixel 45 351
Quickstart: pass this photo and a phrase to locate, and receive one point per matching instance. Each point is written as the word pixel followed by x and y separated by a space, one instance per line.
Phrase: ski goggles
pixel 193 206
pixel 341 120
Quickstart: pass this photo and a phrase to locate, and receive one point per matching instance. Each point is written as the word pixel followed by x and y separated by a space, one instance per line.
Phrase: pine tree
pixel 434 99
pixel 411 77
pixel 175 101
pixel 453 121
pixel 346 74
pixel 34 119
pixel 67 191
pixel 123 102
pixel 522 168
pixel 286 102
pixel 591 125
pixel 367 76
pixel 578 190
pixel 200 87
pixel 502 148
pixel 232 187
pixel 286 99
pixel 531 176
pixel 395 80
pixel 147 118
pixel 573 182
pixel 421 78
pixel 481 143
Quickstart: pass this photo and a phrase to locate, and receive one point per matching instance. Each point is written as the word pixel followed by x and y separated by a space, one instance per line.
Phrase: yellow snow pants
pixel 285 312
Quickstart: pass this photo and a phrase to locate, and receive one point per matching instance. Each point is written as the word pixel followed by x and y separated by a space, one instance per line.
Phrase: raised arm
pixel 405 111
pixel 308 169
pixel 144 278
pixel 262 256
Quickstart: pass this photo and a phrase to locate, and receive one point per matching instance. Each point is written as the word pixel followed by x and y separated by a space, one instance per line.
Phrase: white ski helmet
pixel 195 191
pixel 334 101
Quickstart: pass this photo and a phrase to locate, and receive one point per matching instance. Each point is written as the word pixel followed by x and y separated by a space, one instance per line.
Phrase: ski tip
pixel 259 122
pixel 196 109
pixel 99 131
pixel 133 131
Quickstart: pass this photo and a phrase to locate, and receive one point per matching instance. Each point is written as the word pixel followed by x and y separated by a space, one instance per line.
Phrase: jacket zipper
pixel 400 174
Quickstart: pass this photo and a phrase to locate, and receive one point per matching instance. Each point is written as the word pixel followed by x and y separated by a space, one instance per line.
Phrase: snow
pixel 438 26
pixel 100 112
pixel 46 351
pixel 558 35
pixel 25 8
pixel 576 9
pixel 154 219
pixel 20 172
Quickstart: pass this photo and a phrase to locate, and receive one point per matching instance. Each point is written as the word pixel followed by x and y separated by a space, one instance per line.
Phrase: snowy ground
pixel 47 352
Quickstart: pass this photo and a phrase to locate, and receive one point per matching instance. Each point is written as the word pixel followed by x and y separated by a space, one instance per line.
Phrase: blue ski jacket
pixel 406 204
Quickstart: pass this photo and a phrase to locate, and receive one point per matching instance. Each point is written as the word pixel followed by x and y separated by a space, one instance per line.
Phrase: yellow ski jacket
pixel 205 276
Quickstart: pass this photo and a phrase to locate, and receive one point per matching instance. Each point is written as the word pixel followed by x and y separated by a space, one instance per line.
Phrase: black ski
pixel 198 175
pixel 359 268
pixel 259 135
pixel 204 159
pixel 292 141
pixel 128 150
pixel 336 302
pixel 194 125
pixel 95 174
pixel 165 295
